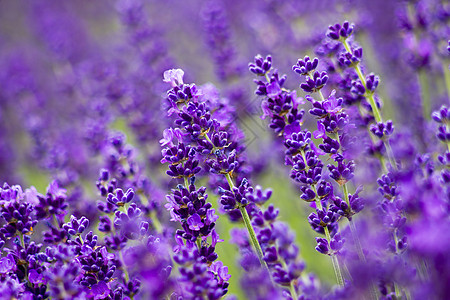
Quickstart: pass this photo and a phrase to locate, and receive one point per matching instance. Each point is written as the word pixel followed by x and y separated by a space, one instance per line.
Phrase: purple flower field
pixel 223 149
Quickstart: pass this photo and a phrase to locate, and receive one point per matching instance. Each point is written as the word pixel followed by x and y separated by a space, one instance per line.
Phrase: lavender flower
pixel 81 111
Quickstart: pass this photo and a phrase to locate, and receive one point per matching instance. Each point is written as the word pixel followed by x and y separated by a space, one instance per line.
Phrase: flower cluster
pixel 120 178
pixel 201 273
pixel 304 157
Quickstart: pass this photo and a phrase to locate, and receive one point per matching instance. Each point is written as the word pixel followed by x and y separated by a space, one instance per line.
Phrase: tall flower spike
pixel 225 158
pixel 366 85
pixel 188 205
pixel 302 154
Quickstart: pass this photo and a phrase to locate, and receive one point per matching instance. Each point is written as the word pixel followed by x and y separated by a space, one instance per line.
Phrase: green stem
pixel 230 181
pixel 111 218
pixel 376 112
pixel 372 138
pixel 321 95
pixel 253 238
pixel 124 269
pixel 373 105
pixel 390 154
pixel 361 255
pixel 398 294
pixel 447 78
pixel 293 291
pixel 156 223
pixel 56 221
pixel 335 261
pixel 22 241
pixel 447 126
pixel 425 94
pixel 251 231
pixel 383 163
pixel 346 198
pixel 186 182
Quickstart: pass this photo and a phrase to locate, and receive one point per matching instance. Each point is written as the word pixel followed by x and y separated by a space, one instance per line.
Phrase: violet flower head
pixel 237 197
pixel 339 31
pixel 54 203
pixel 128 223
pixel 332 105
pixel 306 65
pixel 337 243
pixel 259 196
pixel 76 226
pixel 347 59
pixel 372 82
pixel 382 129
pixel 442 117
pixel 120 198
pixel 16 211
pixel 315 83
pixel 322 245
pixel 343 172
pixel 261 65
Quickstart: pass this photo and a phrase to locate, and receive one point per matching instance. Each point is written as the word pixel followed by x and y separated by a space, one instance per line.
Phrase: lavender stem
pixel 425 93
pixel 373 105
pixel 248 225
pixel 446 72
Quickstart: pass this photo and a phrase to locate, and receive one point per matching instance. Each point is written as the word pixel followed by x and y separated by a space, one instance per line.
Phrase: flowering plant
pixel 121 178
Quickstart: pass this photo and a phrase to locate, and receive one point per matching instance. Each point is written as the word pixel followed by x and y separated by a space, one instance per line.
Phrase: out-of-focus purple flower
pixel 169 135
pixel 7 264
pixel 35 277
pixel 337 242
pixel 221 271
pixel 174 77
